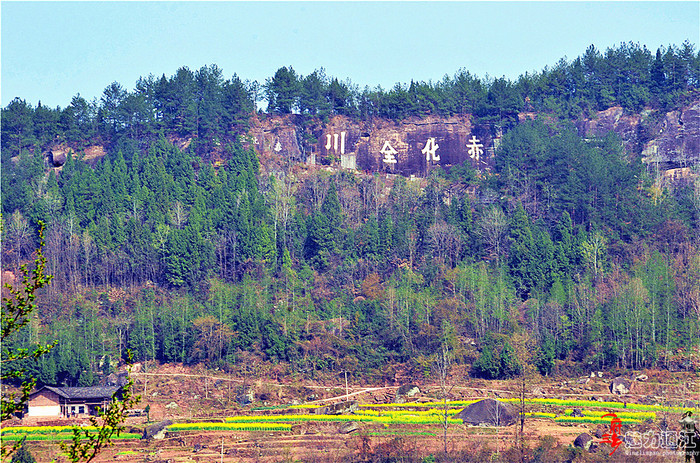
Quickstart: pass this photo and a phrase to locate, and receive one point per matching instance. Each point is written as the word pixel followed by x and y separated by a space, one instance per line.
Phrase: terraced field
pixel 296 433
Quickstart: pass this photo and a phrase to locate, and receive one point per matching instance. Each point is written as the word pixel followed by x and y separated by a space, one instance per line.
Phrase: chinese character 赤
pixel 475 150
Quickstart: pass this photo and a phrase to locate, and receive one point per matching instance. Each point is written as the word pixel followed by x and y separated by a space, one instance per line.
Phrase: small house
pixel 52 401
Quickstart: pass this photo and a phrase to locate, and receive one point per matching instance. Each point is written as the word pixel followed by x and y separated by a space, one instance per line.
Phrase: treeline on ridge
pixel 205 105
pixel 569 252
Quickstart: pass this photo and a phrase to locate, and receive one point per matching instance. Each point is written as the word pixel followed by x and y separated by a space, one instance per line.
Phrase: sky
pixel 51 51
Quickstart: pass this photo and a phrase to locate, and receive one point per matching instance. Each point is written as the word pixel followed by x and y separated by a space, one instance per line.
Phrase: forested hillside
pixel 171 242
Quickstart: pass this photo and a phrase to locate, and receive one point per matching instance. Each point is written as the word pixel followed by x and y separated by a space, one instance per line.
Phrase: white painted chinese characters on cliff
pixel 334 137
pixel 389 153
pixel 475 150
pixel 430 149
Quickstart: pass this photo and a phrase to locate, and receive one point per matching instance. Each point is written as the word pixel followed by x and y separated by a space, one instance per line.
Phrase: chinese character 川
pixel 335 142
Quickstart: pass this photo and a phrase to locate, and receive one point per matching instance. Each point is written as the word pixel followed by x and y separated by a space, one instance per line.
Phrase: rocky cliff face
pixel 414 147
pixel 671 139
pixel 676 141
pixel 410 147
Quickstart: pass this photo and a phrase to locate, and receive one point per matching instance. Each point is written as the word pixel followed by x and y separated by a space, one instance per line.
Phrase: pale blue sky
pixel 54 50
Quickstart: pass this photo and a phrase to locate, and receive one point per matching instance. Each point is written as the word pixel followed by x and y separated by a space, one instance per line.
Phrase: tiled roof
pixel 94 392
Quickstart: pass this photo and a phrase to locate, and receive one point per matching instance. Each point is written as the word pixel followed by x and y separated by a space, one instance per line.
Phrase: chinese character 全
pixel 389 153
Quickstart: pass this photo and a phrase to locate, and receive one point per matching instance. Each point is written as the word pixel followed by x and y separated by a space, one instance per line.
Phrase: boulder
pixel 341 408
pixel 583 441
pixel 116 379
pixel 58 157
pixel 407 390
pixel 156 430
pixel 246 398
pixel 172 405
pixel 349 427
pixel 620 386
pixel 488 412
pixel 577 413
pixel 642 377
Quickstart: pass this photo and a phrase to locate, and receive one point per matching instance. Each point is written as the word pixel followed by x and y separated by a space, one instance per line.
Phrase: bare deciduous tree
pixel 492 229
pixel 178 215
pixel 446 242
pixel 18 236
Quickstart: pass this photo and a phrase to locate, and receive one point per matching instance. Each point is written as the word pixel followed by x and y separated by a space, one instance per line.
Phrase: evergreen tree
pixel 282 91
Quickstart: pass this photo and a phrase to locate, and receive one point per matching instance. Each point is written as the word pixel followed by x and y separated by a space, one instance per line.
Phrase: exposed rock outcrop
pixel 416 146
pixel 409 147
pixel 676 139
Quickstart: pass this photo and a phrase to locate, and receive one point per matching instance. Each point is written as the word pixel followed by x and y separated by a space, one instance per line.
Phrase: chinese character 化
pixel 389 153
pixel 475 150
pixel 430 149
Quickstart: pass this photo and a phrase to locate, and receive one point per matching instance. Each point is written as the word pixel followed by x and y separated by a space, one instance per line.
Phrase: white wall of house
pixel 44 410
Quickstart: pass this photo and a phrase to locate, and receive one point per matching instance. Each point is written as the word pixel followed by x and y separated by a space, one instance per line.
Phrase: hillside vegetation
pixel 174 245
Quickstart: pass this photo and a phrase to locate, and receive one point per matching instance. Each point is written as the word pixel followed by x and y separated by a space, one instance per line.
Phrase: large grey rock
pixel 488 412
pixel 156 430
pixel 407 390
pixel 246 398
pixel 341 408
pixel 58 157
pixel 620 386
pixel 583 441
pixel 349 427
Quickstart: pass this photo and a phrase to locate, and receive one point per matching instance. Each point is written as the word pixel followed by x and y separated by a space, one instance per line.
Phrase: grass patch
pixel 390 417
pixel 621 415
pixel 214 426
pixel 569 403
pixel 61 436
